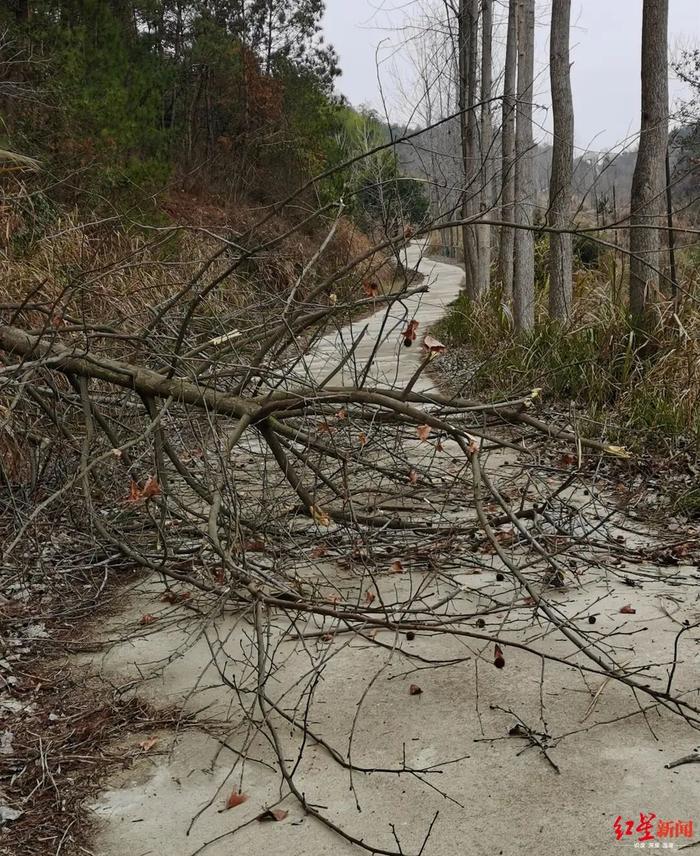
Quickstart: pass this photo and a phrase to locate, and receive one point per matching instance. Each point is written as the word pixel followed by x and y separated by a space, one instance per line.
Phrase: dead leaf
pixel 134 492
pixel 370 288
pixel 362 437
pixel 176 596
pixel 148 744
pixel 499 660
pixel 629 610
pixel 618 452
pixel 413 476
pixel 423 432
pixel 255 545
pixel 414 689
pixel 151 488
pixel 236 799
pixel 433 346
pixel 396 567
pixel 272 814
pixel 148 619
pixel 409 334
pixel 318 551
pixel 369 597
pixel 320 516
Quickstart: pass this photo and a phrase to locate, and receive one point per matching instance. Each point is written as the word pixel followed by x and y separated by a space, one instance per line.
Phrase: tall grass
pixel 643 390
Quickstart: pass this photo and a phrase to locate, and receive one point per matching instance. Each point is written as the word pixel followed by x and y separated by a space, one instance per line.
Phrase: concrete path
pixel 494 794
pixel 392 364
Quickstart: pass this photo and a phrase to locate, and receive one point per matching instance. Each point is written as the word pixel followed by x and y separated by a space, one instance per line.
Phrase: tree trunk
pixel 484 231
pixel 646 204
pixel 20 8
pixel 505 250
pixel 560 252
pixel 524 249
pixel 468 56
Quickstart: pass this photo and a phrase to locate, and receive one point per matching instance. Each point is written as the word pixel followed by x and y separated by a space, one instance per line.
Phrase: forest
pixel 349 453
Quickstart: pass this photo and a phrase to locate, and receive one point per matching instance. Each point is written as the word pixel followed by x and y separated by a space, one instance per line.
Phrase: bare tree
pixel 468 58
pixel 560 252
pixel 524 246
pixel 646 204
pixel 505 255
pixel 484 233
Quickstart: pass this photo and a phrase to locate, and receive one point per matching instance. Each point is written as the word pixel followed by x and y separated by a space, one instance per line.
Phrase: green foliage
pixel 379 195
pixel 131 93
pixel 104 82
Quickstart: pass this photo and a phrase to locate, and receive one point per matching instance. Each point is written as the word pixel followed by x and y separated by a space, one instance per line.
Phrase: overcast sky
pixel 605 43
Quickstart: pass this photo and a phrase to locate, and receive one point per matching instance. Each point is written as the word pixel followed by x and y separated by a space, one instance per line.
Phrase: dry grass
pixel 636 390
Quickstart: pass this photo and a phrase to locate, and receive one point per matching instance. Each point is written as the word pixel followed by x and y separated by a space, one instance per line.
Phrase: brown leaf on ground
pixel 499 660
pixel 236 799
pixel 433 346
pixel 423 432
pixel 320 516
pixel 272 814
pixel 151 488
pixel 174 597
pixel 148 744
pixel 414 689
pixel 396 567
pixel 134 492
pixel 629 610
pixel 148 619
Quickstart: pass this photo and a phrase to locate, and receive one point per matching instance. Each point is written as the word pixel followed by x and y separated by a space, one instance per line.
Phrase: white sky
pixel 605 45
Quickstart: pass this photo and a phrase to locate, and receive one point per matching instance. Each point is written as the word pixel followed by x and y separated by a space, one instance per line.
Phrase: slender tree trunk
pixel 560 252
pixel 484 231
pixel 646 204
pixel 468 56
pixel 524 249
pixel 21 10
pixel 669 223
pixel 268 59
pixel 505 249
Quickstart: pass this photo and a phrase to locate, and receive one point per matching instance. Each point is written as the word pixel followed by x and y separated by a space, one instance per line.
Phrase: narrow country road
pixel 392 364
pixel 425 741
